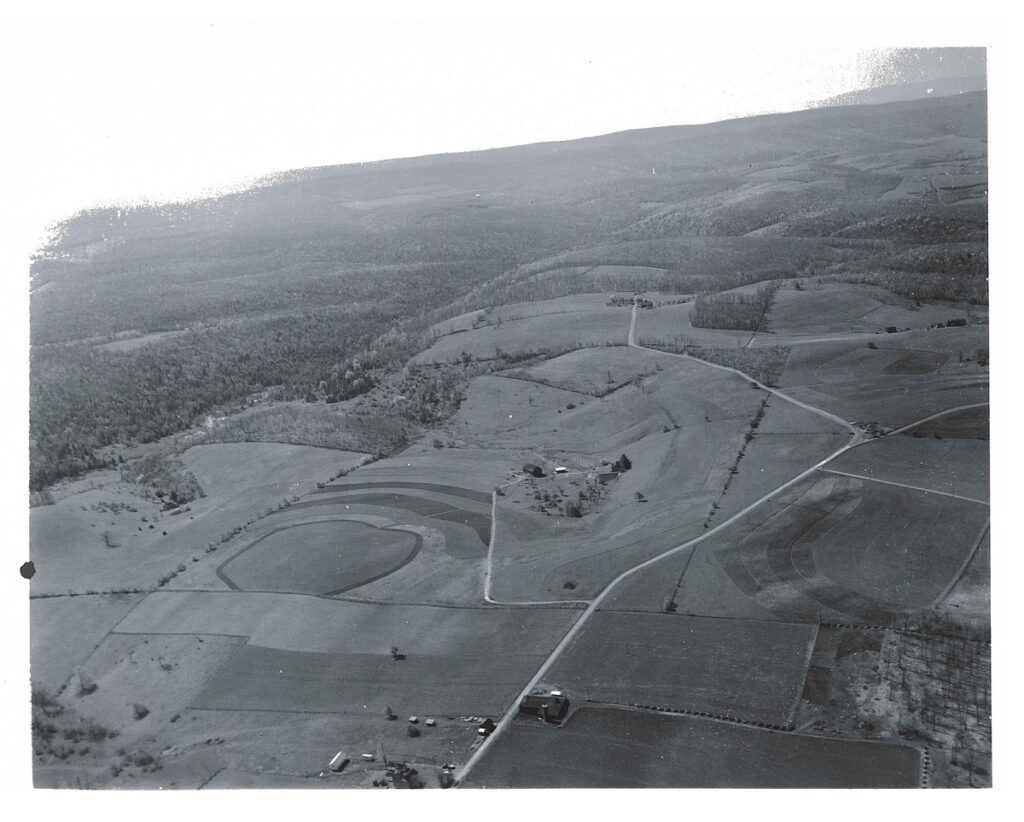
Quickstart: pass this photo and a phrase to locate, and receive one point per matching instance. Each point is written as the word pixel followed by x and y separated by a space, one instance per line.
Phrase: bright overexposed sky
pixel 153 109
pixel 101 109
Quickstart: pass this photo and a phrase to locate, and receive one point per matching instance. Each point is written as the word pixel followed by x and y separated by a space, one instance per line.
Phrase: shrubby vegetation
pixel 165 477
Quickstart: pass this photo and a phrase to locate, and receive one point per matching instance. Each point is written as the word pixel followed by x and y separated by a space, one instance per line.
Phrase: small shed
pixel 533 470
pixel 561 469
pixel 486 728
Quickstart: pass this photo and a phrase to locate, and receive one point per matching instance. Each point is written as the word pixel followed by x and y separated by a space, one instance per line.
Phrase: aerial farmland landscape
pixel 654 459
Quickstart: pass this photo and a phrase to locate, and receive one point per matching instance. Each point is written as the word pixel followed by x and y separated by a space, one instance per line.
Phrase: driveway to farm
pixel 857 438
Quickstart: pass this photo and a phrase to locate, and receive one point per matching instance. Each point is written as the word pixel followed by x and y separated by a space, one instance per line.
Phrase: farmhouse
pixel 533 470
pixel 550 707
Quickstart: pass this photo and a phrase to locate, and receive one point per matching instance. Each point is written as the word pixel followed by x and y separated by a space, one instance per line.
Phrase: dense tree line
pixel 741 312
pixel 84 398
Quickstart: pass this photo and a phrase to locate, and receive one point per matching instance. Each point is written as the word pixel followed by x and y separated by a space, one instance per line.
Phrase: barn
pixel 549 707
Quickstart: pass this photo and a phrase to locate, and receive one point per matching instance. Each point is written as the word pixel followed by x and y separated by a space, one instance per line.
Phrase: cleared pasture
pixel 271 679
pixel 595 371
pixel 751 670
pixel 516 311
pixel 476 467
pixel 242 481
pixel 615 748
pixel 846 307
pixel 673 322
pixel 65 630
pixel 559 327
pixel 893 401
pixel 951 466
pixel 322 558
pixel 296 622
pixel 160 672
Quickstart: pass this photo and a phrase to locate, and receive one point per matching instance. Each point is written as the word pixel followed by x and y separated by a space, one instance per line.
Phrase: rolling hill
pixel 318 283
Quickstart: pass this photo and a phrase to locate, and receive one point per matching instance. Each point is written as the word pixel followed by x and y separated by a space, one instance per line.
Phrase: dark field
pixel 852 548
pixel 743 669
pixel 969 424
pixel 613 748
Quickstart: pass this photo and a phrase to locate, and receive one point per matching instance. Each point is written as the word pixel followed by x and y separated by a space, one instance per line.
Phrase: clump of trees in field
pixel 737 311
pixel 165 477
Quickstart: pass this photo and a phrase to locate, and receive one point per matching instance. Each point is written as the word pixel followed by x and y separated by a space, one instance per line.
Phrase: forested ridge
pixel 316 284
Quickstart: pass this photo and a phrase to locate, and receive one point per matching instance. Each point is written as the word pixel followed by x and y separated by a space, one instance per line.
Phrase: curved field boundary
pixel 449 490
pixel 222 575
pixel 418 506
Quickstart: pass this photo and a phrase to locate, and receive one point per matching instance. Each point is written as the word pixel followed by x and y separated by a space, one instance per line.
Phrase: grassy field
pixel 593 371
pixel 952 466
pixel 556 325
pixel 827 308
pixel 271 679
pixel 750 670
pixel 65 630
pixel 320 558
pixel 892 379
pixel 613 748
pixel 305 623
pixel 82 542
pixel 673 322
